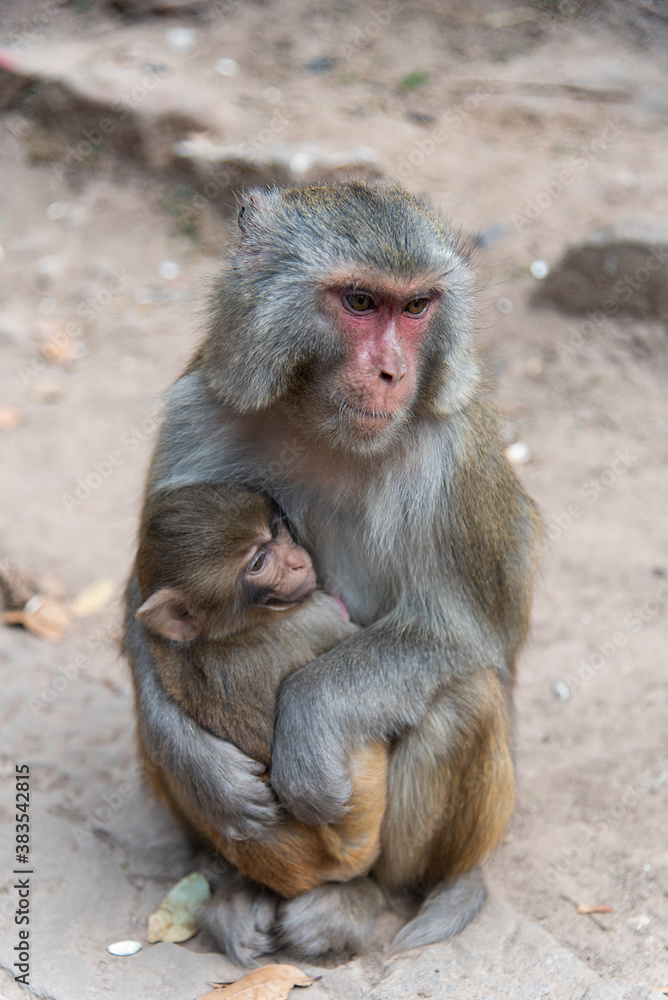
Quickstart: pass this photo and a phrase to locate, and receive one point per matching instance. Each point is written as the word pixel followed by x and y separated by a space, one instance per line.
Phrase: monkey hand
pixel 227 789
pixel 308 758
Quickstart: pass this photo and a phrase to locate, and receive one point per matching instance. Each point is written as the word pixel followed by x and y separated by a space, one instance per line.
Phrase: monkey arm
pixel 375 685
pixel 222 783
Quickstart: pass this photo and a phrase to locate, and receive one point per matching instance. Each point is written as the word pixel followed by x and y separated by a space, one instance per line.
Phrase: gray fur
pixel 332 918
pixel 240 917
pixel 222 781
pixel 446 911
pixel 422 531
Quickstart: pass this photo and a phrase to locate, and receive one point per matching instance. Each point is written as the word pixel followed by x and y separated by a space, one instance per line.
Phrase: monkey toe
pixel 240 918
pixel 445 912
pixel 335 918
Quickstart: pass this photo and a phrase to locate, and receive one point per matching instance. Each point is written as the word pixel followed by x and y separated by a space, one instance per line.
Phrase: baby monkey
pixel 232 609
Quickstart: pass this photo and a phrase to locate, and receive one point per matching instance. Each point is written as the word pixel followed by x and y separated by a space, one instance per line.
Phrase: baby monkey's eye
pixel 359 301
pixel 417 306
pixel 258 561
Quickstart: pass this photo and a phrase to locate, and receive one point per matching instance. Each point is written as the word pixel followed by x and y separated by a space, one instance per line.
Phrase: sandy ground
pixel 589 400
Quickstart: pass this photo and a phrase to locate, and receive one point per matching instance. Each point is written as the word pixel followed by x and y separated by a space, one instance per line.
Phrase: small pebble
pixel 169 270
pixel 504 305
pixel 561 690
pixel 124 948
pixel 325 64
pixel 539 269
pixel 47 265
pixel 300 162
pixel 48 392
pixel 181 39
pixel 56 210
pixel 227 67
pixel 518 453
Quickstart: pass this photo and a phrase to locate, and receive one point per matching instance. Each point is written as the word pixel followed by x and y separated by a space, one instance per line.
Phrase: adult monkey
pixel 337 377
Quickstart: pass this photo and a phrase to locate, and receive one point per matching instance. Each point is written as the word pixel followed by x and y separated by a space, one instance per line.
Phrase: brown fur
pixel 419 523
pixel 229 684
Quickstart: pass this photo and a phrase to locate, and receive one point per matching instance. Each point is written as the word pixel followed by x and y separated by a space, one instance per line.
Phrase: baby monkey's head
pixel 216 559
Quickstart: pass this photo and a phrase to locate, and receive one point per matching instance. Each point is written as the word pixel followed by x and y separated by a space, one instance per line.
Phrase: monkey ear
pixel 255 217
pixel 167 613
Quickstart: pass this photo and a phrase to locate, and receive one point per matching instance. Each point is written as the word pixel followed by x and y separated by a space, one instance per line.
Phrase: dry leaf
pixel 93 598
pixel 42 616
pixel 271 982
pixel 593 909
pixel 174 920
pixel 10 417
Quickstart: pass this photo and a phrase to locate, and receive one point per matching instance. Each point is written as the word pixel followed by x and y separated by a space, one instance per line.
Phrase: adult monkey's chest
pixel 347 563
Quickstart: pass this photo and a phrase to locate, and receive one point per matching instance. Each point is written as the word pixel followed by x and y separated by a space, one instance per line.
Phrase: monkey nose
pixel 393 373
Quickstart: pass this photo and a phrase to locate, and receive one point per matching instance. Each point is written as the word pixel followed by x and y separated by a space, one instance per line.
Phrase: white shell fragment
pixel 124 948
pixel 227 67
pixel 518 453
pixel 56 210
pixel 169 270
pixel 181 39
pixel 504 305
pixel 561 690
pixel 539 269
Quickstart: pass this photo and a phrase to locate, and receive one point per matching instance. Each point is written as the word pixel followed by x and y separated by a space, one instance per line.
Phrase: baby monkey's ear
pixel 167 613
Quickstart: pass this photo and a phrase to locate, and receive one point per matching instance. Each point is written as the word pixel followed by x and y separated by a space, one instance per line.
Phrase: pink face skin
pixel 384 331
pixel 278 563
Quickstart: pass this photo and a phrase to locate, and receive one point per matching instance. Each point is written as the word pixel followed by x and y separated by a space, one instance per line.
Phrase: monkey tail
pixel 446 911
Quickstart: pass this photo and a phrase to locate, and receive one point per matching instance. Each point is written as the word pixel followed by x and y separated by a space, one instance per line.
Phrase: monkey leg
pixel 332 918
pixel 241 917
pixel 293 858
pixel 451 796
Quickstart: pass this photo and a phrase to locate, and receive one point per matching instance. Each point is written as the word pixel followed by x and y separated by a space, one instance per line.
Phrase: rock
pixel 99 105
pixel 622 268
pixel 216 169
pixel 139 8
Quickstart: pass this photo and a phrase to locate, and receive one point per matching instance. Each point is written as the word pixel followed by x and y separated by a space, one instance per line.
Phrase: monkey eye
pixel 258 561
pixel 417 306
pixel 359 302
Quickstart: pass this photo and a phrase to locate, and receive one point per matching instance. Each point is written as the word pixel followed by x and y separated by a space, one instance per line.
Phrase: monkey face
pixel 346 304
pixel 382 327
pixel 279 573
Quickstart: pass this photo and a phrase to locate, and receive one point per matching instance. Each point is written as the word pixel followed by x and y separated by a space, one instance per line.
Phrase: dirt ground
pixel 486 137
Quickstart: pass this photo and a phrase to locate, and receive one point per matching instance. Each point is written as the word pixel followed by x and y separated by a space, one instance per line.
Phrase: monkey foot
pixel 336 918
pixel 240 918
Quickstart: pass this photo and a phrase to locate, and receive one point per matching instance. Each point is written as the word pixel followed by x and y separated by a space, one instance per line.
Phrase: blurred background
pixel 127 129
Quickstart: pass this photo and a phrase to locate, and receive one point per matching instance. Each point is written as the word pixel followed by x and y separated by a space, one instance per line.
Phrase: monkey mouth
pixel 376 417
